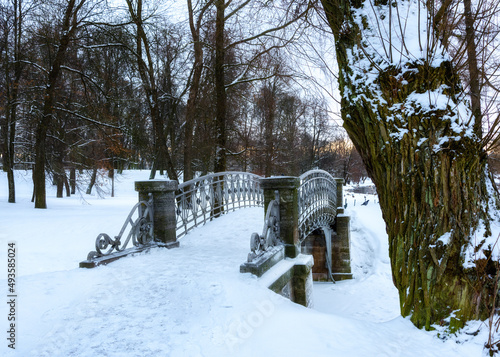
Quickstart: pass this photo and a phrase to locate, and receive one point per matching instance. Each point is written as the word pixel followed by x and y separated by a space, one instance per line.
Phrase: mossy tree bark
pixel 427 164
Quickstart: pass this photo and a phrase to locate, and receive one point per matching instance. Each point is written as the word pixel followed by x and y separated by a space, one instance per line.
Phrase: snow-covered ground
pixel 192 301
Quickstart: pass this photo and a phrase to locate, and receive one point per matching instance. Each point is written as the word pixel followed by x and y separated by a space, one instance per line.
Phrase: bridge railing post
pixel 164 215
pixel 340 194
pixel 287 187
pixel 341 249
pixel 341 245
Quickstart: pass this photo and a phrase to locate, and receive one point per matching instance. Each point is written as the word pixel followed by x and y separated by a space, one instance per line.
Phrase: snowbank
pixel 192 301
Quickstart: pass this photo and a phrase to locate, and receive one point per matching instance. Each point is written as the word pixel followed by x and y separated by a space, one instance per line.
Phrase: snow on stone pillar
pixel 164 218
pixel 289 209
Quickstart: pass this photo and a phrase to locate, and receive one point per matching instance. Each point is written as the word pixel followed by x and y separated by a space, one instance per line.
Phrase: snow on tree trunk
pixel 406 112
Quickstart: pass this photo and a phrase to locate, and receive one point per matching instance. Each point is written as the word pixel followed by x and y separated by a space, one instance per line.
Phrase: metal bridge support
pixel 164 218
pixel 289 209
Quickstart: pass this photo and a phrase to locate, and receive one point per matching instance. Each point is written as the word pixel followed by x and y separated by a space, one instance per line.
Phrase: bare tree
pixel 195 24
pixel 146 68
pixel 470 32
pixel 259 42
pixel 69 25
pixel 12 33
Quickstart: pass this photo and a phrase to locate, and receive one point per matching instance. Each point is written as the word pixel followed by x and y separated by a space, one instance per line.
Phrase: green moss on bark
pixel 428 187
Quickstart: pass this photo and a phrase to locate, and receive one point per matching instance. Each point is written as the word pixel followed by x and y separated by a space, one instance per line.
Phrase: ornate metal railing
pixel 138 229
pixel 259 244
pixel 200 200
pixel 317 201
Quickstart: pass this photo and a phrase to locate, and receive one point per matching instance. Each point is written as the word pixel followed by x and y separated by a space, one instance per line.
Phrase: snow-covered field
pixel 192 301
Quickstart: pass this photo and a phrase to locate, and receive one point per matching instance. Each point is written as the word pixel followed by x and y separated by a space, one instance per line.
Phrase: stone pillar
pixel 341 249
pixel 289 209
pixel 340 195
pixel 164 217
pixel 302 283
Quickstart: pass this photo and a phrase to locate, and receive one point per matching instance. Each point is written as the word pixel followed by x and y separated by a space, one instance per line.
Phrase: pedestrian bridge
pixel 305 234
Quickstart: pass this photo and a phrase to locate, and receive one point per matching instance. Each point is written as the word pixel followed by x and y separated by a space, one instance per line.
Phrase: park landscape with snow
pixel 193 301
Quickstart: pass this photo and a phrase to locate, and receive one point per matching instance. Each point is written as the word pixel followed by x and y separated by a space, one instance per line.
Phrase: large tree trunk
pixel 220 89
pixel 93 179
pixel 474 73
pixel 8 130
pixel 66 186
pixel 59 173
pixel 221 102
pixel 427 164
pixel 72 180
pixel 12 92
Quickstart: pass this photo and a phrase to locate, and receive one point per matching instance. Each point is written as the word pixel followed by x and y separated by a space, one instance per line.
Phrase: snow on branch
pixel 36 65
pixel 96 122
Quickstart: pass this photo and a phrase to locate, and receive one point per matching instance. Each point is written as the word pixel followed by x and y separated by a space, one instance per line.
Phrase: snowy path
pixel 192 301
pixel 168 300
pixel 371 296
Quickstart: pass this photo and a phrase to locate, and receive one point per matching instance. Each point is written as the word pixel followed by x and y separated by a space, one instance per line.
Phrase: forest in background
pixel 91 84
pixel 95 84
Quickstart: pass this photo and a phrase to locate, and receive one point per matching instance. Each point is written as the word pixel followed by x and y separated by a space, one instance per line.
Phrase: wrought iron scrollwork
pixel 259 244
pixel 139 229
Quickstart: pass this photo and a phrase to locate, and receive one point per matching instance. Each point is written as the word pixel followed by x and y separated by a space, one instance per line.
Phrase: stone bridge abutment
pixel 314 232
